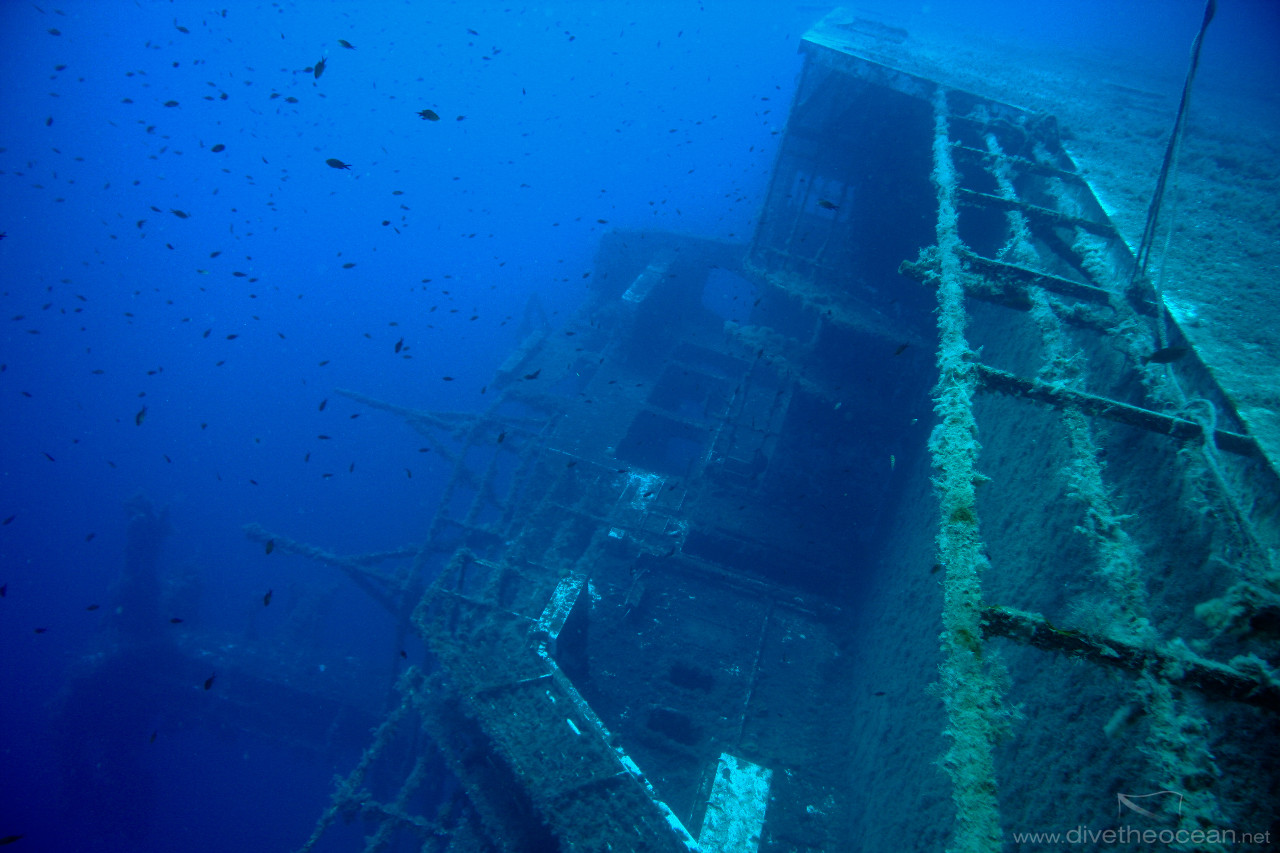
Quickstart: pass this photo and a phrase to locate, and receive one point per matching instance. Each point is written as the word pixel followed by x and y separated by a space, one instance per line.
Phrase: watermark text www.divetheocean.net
pixel 1159 816
pixel 1125 835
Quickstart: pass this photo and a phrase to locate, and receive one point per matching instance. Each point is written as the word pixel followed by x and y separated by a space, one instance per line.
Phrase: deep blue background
pixel 654 115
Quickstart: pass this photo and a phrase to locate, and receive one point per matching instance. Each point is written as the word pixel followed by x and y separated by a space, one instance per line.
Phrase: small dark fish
pixel 181 214
pixel 153 736
pixel 1166 355
pixel 335 163
pixel 41 630
pixel 217 148
pixel 444 378
pixel 429 115
pixel 319 69
pixel 501 437
pixel 399 345
pixel 4 590
pixel 208 682
pixel 140 416
pixel 93 607
pixel 827 205
pixel 9 839
pixel 324 403
pixel 175 621
pixel 348 45
pixel 533 375
pixel 901 349
pixel 266 599
pixel 404 654
pixel 271 545
pixel 170 103
pixel 10 518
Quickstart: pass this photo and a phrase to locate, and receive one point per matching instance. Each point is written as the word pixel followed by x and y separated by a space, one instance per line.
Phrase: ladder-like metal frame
pixel 970 683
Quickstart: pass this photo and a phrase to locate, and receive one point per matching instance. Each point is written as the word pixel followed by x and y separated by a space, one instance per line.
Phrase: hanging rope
pixel 1170 152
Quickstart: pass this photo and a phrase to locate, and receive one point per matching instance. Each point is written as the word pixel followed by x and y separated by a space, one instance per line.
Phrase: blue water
pixel 136 362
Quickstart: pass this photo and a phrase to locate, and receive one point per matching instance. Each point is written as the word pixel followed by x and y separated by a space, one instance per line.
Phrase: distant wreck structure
pixel 916 523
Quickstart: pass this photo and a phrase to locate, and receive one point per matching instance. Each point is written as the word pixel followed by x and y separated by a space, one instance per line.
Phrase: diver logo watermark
pixel 1168 805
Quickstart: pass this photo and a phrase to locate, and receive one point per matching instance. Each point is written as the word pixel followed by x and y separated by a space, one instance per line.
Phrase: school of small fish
pixel 168 215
